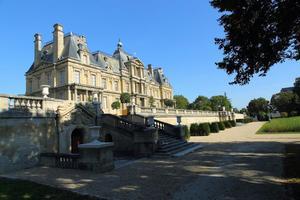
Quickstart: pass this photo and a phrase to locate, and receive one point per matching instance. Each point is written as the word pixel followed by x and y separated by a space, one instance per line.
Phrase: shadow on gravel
pixel 241 170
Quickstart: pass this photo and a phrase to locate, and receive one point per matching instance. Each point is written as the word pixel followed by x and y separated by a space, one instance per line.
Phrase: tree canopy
pixel 125 98
pixel 201 103
pixel 285 102
pixel 181 102
pixel 258 34
pixel 116 105
pixel 258 107
pixel 220 101
pixel 169 102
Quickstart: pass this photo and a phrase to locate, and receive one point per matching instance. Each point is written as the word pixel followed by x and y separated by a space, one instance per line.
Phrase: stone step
pixel 172 148
pixel 174 143
pixel 179 152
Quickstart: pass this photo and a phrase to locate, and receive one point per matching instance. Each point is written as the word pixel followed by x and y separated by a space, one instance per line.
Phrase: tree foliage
pixel 125 98
pixel 169 102
pixel 258 34
pixel 181 102
pixel 258 107
pixel 115 105
pixel 201 103
pixel 151 101
pixel 285 102
pixel 220 101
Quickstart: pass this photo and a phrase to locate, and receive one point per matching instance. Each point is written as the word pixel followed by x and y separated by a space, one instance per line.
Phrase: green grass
pixel 282 125
pixel 19 189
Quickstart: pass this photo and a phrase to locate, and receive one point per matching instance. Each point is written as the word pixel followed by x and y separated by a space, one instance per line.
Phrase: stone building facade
pixel 75 73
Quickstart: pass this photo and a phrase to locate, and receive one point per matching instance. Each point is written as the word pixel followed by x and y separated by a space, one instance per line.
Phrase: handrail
pixel 119 122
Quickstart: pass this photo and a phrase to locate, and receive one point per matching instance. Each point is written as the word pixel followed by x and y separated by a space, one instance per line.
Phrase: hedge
pixel 204 129
pixel 221 126
pixel 227 124
pixel 233 123
pixel 194 129
pixel 214 127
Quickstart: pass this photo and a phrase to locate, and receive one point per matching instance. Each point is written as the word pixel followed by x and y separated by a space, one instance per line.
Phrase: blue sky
pixel 177 35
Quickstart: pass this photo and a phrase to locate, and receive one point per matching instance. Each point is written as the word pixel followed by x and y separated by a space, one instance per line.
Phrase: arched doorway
pixel 108 138
pixel 76 139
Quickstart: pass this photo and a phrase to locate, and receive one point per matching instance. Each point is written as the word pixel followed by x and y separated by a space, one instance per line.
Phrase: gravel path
pixel 234 164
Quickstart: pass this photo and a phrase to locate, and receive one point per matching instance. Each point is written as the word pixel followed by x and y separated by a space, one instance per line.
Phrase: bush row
pixel 245 121
pixel 204 129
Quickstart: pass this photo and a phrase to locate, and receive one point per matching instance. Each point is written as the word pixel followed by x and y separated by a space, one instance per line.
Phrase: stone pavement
pixel 233 164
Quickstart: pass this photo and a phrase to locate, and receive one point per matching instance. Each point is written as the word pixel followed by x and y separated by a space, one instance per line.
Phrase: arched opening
pixel 108 138
pixel 76 139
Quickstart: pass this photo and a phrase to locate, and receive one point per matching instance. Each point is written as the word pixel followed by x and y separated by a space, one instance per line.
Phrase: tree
pixel 151 101
pixel 258 34
pixel 125 98
pixel 258 107
pixel 244 110
pixel 201 103
pixel 116 105
pixel 169 102
pixel 285 102
pixel 220 101
pixel 181 102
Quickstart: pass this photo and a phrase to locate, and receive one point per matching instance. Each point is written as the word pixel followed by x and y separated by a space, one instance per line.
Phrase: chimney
pixel 37 48
pixel 150 69
pixel 58 42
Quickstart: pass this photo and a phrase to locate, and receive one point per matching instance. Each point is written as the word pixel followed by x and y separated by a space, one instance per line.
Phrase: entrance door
pixel 76 139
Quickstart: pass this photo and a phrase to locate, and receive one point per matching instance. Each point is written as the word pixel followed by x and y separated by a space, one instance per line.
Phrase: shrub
pixel 293 114
pixel 186 132
pixel 214 127
pixel 247 120
pixel 204 129
pixel 227 124
pixel 125 98
pixel 233 123
pixel 284 114
pixel 194 129
pixel 221 126
pixel 115 105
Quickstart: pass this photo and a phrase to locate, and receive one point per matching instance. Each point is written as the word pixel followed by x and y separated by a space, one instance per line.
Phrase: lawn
pixel 282 125
pixel 19 189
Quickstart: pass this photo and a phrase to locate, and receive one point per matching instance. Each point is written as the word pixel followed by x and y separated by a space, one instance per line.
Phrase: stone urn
pixel 45 90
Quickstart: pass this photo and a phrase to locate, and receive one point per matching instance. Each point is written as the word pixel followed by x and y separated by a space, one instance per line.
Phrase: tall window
pixel 62 77
pixel 127 87
pixel 104 103
pixel 85 59
pixel 103 83
pixel 76 77
pixel 30 86
pixel 93 79
pixel 38 81
pixel 116 85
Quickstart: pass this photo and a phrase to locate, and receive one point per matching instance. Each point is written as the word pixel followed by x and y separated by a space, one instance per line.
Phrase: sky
pixel 177 35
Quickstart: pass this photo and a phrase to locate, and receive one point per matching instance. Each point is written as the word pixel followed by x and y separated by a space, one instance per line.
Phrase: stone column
pixel 75 93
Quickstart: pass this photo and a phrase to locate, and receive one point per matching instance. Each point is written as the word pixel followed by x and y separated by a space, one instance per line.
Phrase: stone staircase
pixel 171 146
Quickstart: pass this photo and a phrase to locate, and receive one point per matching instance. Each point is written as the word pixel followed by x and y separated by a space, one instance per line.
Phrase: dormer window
pixel 85 59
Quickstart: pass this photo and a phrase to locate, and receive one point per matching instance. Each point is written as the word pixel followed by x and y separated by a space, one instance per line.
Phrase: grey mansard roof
pixel 74 44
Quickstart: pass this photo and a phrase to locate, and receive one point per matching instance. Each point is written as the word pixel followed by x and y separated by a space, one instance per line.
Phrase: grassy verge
pixel 19 189
pixel 282 125
pixel 292 169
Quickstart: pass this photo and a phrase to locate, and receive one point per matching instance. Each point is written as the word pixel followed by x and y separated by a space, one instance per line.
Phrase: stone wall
pixel 22 138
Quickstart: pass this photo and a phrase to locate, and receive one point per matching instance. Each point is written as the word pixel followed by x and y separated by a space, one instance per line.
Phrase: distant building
pixel 290 89
pixel 75 73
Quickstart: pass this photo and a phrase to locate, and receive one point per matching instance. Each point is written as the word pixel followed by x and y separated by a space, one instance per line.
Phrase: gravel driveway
pixel 233 164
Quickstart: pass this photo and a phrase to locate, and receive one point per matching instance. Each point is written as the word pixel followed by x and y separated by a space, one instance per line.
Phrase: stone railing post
pixel 3 104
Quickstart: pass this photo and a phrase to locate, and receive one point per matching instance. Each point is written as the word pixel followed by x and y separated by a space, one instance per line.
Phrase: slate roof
pixel 74 44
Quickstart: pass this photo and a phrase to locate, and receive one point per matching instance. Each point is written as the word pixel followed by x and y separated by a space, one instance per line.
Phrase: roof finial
pixel 120 45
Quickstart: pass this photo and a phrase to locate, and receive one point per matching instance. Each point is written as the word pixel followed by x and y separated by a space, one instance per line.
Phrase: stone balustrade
pixel 29 103
pixel 172 111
